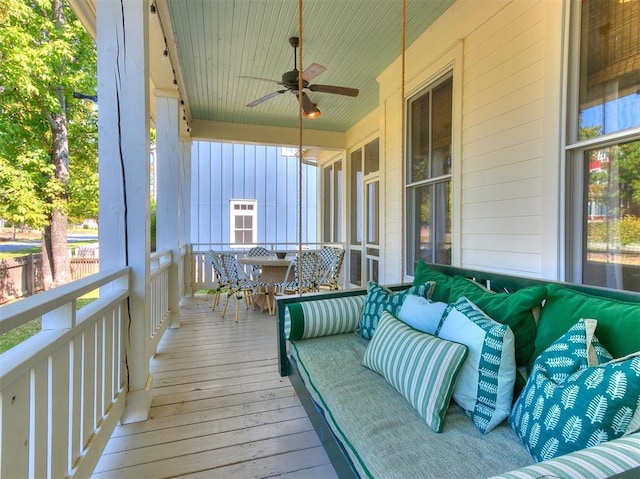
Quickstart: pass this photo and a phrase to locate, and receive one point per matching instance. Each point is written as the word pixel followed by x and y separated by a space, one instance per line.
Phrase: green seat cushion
pixel 618 321
pixel 512 309
pixel 424 273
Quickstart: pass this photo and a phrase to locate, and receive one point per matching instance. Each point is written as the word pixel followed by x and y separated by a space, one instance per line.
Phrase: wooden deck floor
pixel 220 408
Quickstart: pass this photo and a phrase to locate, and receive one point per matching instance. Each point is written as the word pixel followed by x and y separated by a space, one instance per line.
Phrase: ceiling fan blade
pixel 338 90
pixel 312 71
pixel 258 78
pixel 265 98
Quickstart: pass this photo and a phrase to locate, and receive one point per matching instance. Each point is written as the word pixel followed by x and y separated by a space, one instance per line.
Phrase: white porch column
pixel 185 211
pixel 168 190
pixel 123 147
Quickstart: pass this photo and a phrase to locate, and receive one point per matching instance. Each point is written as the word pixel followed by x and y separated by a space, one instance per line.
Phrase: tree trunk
pixel 47 274
pixel 55 236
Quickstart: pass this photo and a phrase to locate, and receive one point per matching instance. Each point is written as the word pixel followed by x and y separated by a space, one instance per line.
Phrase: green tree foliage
pixel 48 138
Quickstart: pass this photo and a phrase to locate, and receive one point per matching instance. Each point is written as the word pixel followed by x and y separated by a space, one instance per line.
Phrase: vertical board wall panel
pixel 237 165
pixel 224 171
pixel 250 172
pixel 262 192
pixel 271 190
pixel 217 194
pixel 203 172
pixel 225 177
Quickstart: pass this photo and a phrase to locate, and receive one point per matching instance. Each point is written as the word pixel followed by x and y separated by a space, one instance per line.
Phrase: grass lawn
pixel 36 249
pixel 24 332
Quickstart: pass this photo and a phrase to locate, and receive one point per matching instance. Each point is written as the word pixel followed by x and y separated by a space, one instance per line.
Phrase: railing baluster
pixel 58 432
pixel 16 418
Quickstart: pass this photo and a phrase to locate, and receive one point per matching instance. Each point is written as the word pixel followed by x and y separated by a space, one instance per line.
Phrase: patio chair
pixel 330 266
pixel 220 276
pixel 240 286
pixel 307 265
pixel 253 252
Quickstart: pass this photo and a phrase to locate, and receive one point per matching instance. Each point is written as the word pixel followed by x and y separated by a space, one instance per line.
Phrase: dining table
pixel 273 270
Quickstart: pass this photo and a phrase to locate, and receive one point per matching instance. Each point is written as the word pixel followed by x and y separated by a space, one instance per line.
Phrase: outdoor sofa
pixel 374 423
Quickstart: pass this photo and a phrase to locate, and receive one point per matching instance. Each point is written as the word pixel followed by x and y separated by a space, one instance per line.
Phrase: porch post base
pixel 175 320
pixel 138 404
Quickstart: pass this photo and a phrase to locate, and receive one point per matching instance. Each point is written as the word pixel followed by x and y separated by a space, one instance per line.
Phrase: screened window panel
pixel 609 67
pixel 356 197
pixel 372 157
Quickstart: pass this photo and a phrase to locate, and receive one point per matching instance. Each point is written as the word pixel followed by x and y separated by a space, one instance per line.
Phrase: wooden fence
pixel 21 277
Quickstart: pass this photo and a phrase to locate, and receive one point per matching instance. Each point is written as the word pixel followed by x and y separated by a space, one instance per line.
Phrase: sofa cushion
pixel 381 299
pixel 421 367
pixel 421 313
pixel 424 273
pixel 382 434
pixel 618 325
pixel 309 319
pixel 513 309
pixel 569 404
pixel 485 385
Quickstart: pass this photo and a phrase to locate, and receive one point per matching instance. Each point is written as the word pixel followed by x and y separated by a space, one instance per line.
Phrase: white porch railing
pixel 62 391
pixel 159 265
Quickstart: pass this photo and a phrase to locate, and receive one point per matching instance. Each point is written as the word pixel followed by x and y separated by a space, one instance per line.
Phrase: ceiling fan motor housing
pixel 290 80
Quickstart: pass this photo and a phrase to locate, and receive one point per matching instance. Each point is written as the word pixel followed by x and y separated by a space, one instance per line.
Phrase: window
pixel 332 202
pixel 603 145
pixel 428 174
pixel 244 222
pixel 364 228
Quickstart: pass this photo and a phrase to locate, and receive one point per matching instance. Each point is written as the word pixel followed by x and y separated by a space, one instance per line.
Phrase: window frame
pixel 410 187
pixel 233 213
pixel 574 153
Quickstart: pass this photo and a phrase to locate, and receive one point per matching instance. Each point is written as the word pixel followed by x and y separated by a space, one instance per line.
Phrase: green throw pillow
pixel 380 299
pixel 512 309
pixel 618 321
pixel 572 400
pixel 421 367
pixel 424 273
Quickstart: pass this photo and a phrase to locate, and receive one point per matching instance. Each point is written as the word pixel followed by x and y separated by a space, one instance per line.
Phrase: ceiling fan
pixel 290 83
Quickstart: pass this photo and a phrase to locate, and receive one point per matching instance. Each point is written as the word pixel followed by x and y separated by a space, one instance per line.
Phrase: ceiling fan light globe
pixel 312 114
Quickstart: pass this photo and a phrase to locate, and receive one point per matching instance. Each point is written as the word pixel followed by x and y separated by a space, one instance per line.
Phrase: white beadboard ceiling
pixel 216 41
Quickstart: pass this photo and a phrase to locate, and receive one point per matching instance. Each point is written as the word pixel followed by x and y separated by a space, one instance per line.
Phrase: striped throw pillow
pixel 421 367
pixel 311 319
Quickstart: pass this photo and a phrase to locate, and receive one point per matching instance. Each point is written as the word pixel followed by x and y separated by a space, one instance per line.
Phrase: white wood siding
pixel 506 57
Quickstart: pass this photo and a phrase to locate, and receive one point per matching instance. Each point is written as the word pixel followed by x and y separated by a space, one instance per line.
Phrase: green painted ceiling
pixel 218 41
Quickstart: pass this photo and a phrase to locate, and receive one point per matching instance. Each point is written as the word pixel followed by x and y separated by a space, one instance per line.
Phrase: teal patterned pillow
pixel 571 402
pixel 380 299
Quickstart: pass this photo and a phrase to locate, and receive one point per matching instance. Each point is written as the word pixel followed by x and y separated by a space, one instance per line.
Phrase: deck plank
pixel 219 409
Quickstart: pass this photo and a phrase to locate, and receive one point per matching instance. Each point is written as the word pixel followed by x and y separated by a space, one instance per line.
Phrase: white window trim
pixel 450 60
pixel 574 150
pixel 232 217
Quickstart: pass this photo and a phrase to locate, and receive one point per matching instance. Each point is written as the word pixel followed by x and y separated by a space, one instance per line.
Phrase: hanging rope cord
pixel 402 143
pixel 300 148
